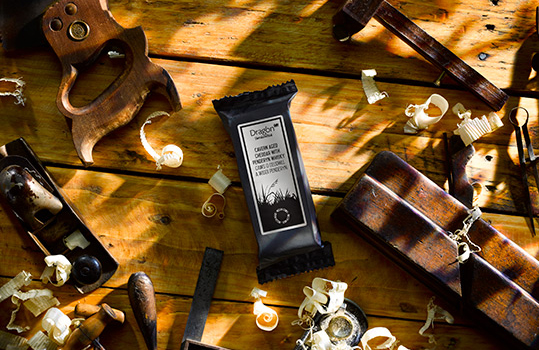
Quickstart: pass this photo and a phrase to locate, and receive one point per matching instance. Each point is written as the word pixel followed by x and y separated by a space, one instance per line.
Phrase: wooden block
pixel 409 217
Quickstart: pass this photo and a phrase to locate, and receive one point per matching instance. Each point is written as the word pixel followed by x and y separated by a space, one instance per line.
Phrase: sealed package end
pixel 274 182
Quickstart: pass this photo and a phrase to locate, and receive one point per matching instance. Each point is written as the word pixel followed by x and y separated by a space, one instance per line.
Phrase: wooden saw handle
pixel 355 14
pixel 78 31
pixel 87 310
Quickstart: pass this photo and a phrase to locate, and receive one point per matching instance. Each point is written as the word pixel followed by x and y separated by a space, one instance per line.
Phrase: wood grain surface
pixel 150 220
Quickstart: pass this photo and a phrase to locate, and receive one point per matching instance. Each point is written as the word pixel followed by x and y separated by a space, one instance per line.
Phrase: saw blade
pixel 20 23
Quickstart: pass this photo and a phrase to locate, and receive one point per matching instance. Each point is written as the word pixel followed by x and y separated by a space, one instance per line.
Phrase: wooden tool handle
pixel 78 31
pixel 90 329
pixel 142 299
pixel 439 55
pixel 355 14
pixel 87 310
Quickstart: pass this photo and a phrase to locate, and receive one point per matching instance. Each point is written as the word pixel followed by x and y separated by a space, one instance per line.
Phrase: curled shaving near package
pixel 215 204
pixel 324 296
pixel 266 317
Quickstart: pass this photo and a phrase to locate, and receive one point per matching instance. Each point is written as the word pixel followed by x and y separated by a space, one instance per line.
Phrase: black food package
pixel 274 182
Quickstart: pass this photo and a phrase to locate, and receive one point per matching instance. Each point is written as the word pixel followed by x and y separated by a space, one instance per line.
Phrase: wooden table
pixel 150 220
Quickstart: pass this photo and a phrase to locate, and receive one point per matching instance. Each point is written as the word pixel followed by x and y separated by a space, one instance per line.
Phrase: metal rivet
pixel 79 30
pixel 56 24
pixel 483 56
pixel 71 9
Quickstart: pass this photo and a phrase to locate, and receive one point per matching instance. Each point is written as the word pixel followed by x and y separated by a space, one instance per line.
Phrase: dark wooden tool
pixel 30 193
pixel 525 163
pixel 409 217
pixel 87 310
pixel 90 329
pixel 142 300
pixel 457 156
pixel 78 31
pixel 355 14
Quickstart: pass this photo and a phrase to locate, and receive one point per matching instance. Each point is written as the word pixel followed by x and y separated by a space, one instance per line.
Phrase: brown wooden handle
pixel 142 299
pixel 78 31
pixel 90 329
pixel 355 14
pixel 87 310
pixel 439 55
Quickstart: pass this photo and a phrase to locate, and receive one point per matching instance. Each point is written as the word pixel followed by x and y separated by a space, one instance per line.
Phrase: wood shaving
pixel 171 156
pixel 41 342
pixel 12 341
pixel 369 86
pixel 35 300
pixel 16 91
pixel 15 284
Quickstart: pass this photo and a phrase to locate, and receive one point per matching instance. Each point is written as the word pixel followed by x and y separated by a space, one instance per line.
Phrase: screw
pixel 56 24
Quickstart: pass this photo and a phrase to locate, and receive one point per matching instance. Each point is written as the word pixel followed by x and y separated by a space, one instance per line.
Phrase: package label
pixel 272 175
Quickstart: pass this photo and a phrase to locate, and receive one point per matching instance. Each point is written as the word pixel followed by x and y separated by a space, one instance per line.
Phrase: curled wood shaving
pixel 324 296
pixel 17 91
pixel 470 129
pixel 40 341
pixel 215 204
pixel 76 239
pixel 57 324
pixel 465 245
pixel 266 317
pixel 35 300
pixel 369 86
pixel 434 312
pixel 171 155
pixel 419 119
pixel 12 341
pixel 59 266
pixel 15 284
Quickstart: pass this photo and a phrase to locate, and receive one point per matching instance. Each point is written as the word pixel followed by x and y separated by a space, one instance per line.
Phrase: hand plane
pixel 355 14
pixel 29 192
pixel 78 31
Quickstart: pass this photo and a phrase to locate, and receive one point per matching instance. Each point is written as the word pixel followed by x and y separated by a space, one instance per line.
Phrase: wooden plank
pixel 155 225
pixel 232 324
pixel 337 130
pixel 495 39
pixel 152 222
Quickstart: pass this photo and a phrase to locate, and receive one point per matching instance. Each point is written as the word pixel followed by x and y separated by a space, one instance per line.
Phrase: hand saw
pixel 78 31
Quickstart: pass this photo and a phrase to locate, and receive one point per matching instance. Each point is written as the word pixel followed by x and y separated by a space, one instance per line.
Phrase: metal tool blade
pixel 20 23
pixel 207 279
